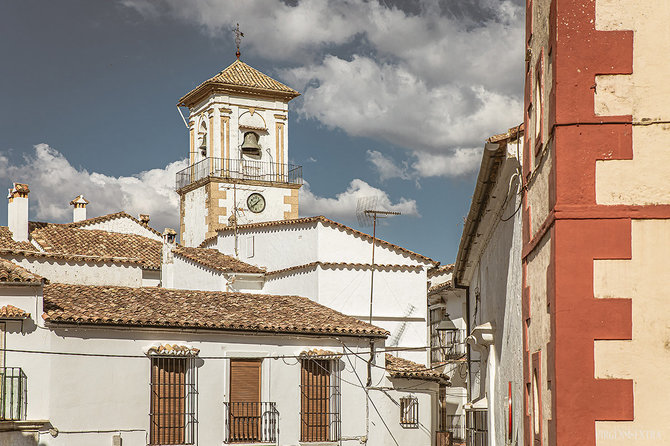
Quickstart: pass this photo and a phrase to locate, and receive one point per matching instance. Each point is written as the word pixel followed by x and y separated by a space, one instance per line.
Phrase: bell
pixel 250 143
pixel 203 145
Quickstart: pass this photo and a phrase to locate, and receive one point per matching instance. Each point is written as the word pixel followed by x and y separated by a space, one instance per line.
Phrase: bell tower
pixel 238 157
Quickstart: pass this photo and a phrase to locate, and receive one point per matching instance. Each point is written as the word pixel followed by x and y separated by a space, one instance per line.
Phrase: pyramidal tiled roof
pixel 240 77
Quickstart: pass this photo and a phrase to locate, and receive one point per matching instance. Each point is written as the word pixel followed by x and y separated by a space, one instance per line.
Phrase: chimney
pixel 79 211
pixel 167 264
pixel 144 219
pixel 17 212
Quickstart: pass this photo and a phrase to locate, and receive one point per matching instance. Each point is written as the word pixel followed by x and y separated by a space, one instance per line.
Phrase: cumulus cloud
pixel 386 167
pixel 343 205
pixel 436 79
pixel 54 181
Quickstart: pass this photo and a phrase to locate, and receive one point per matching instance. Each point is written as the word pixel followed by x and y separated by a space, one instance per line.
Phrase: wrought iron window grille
pixel 409 412
pixel 13 394
pixel 174 400
pixel 320 400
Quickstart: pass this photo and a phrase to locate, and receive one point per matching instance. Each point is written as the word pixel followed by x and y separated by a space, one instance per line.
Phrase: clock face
pixel 256 203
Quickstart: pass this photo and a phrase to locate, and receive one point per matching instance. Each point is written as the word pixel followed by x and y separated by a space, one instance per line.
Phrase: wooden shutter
pixel 245 400
pixel 168 400
pixel 315 400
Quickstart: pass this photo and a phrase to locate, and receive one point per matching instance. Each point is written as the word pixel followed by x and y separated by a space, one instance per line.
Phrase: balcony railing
pixel 13 393
pixel 251 422
pixel 240 169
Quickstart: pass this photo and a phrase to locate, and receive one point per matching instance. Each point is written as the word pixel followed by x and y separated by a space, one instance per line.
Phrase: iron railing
pixel 13 393
pixel 239 169
pixel 251 422
pixel 456 425
pixel 320 401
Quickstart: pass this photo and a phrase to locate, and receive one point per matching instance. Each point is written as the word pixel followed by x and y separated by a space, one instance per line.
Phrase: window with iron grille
pixel 173 400
pixel 409 412
pixel 477 428
pixel 319 400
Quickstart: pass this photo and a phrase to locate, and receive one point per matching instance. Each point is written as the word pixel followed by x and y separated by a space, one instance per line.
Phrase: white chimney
pixel 79 210
pixel 167 264
pixel 17 212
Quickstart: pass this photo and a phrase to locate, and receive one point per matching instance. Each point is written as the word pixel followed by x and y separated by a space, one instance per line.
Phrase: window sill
pixel 24 426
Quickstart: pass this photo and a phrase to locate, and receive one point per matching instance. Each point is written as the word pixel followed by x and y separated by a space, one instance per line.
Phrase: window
pixel 173 400
pixel 409 412
pixel 319 400
pixel 477 428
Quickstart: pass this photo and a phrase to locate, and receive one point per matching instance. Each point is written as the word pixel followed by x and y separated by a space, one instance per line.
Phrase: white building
pixel 488 267
pixel 215 320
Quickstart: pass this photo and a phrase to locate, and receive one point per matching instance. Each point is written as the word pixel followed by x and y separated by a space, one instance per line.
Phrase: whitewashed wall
pixel 80 395
pixel 83 273
pixel 194 217
pixel 495 291
pixel 124 226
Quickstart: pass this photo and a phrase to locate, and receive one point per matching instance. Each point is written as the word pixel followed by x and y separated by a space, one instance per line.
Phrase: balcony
pixel 13 394
pixel 250 422
pixel 240 169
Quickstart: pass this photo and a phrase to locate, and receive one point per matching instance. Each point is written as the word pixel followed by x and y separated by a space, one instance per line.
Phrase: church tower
pixel 238 158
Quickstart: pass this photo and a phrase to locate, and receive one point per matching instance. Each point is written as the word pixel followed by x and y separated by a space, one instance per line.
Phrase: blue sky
pixel 398 98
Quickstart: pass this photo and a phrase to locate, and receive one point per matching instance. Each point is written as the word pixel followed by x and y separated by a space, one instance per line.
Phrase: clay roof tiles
pixel 325 221
pixel 240 77
pixel 7 242
pixel 216 260
pixel 10 272
pixel 448 285
pixel 72 241
pixel 404 368
pixel 440 269
pixel 163 307
pixel 12 312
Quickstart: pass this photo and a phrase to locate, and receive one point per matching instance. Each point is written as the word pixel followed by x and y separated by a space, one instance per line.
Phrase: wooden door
pixel 315 400
pixel 245 400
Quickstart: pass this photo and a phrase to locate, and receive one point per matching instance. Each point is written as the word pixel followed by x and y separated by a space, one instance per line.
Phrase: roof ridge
pixel 106 217
pixel 322 219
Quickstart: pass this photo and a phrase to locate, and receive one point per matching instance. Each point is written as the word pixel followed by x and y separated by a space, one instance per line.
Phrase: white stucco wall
pixel 84 273
pixel 124 226
pixel 275 205
pixel 194 217
pixel 106 386
pixel 495 296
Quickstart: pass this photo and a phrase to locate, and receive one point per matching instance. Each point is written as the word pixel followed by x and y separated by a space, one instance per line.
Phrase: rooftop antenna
pixel 367 213
pixel 238 39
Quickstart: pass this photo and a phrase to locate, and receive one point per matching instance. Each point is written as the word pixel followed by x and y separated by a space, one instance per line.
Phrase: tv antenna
pixel 367 213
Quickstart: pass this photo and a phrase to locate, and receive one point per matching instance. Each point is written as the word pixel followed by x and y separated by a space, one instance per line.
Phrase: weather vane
pixel 238 39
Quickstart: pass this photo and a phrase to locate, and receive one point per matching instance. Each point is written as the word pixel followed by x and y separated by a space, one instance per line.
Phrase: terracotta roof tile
pixel 404 368
pixel 325 221
pixel 7 242
pixel 11 312
pixel 240 77
pixel 343 265
pixel 163 307
pixel 10 272
pixel 108 217
pixel 216 260
pixel 319 353
pixel 448 285
pixel 63 239
pixel 440 269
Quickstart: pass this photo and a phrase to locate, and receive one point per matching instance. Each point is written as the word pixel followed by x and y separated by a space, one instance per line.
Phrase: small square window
pixel 409 412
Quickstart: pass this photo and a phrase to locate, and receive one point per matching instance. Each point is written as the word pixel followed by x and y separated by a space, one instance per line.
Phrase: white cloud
pixel 54 182
pixel 387 167
pixel 436 81
pixel 460 162
pixel 343 206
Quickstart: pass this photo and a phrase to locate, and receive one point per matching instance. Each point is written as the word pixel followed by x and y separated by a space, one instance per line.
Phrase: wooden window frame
pixel 409 412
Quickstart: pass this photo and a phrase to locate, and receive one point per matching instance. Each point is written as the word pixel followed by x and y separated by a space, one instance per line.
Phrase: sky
pixel 397 100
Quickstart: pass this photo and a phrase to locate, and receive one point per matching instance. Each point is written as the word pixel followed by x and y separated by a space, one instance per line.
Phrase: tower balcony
pixel 240 169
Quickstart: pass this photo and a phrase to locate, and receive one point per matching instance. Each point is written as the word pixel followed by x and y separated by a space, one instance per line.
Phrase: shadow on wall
pixel 20 439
